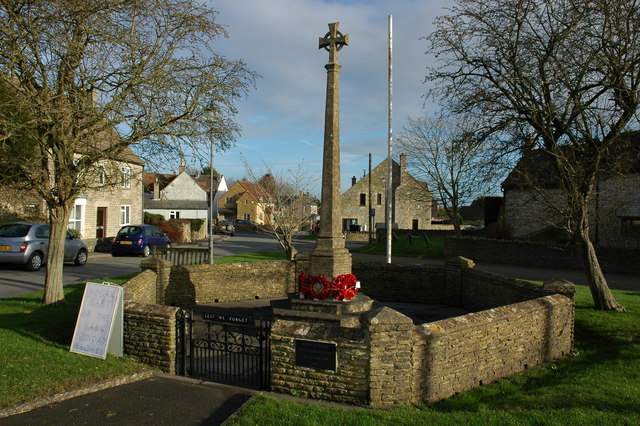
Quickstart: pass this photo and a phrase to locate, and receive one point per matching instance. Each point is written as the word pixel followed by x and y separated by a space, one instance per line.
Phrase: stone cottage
pixel 412 201
pixel 614 211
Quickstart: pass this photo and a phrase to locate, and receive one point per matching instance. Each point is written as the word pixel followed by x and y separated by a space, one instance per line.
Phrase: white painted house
pixel 181 196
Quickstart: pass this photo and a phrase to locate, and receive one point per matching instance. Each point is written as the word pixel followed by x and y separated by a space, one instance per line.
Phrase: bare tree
pixel 78 70
pixel 444 153
pixel 565 72
pixel 288 205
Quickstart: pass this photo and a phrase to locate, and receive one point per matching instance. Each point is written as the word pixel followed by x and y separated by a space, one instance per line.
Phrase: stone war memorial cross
pixel 330 256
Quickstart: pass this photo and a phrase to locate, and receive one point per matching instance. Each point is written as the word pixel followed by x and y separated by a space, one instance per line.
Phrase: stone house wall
pixel 109 197
pixel 614 203
pixel 112 198
pixel 618 202
pixel 412 201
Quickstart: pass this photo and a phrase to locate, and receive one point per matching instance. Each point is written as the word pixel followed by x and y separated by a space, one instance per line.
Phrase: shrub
pixel 74 232
pixel 196 224
pixel 173 229
pixel 153 219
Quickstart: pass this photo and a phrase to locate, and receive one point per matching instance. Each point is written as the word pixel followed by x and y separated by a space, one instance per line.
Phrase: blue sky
pixel 282 120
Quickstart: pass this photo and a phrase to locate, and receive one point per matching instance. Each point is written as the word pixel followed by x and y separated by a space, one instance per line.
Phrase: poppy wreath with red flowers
pixel 344 287
pixel 319 287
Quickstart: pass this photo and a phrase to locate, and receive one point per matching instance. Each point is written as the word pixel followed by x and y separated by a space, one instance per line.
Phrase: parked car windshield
pixel 130 230
pixel 14 230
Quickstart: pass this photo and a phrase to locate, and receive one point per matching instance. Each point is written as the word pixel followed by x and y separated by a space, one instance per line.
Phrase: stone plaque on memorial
pixel 318 355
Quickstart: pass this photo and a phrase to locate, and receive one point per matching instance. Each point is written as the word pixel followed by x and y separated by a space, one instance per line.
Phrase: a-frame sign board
pixel 99 325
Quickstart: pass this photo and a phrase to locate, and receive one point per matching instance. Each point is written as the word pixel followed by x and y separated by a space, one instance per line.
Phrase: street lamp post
pixel 212 194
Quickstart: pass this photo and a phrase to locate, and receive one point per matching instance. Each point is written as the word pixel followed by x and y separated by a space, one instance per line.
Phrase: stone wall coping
pixel 345 320
pixel 506 281
pixel 238 265
pixel 154 263
pixel 560 286
pixel 401 266
pixel 159 310
pixel 501 313
pixel 387 316
pixel 360 303
pixel 460 262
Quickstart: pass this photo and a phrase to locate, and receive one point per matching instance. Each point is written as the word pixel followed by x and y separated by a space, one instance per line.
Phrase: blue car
pixel 138 239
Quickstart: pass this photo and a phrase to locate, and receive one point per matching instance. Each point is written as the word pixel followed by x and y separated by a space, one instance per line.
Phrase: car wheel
pixel 35 262
pixel 231 234
pixel 81 258
pixel 146 251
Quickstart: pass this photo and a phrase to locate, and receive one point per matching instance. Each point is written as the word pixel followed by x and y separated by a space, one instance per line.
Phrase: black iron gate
pixel 228 348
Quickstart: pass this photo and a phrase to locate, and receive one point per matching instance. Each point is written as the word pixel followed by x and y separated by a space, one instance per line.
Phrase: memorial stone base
pixel 330 350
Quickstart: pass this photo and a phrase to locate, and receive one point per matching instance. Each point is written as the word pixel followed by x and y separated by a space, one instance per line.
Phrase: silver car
pixel 27 243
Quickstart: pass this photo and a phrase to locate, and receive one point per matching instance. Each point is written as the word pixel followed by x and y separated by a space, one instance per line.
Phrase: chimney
pixel 403 165
pixel 353 180
pixel 197 174
pixel 156 189
pixel 182 164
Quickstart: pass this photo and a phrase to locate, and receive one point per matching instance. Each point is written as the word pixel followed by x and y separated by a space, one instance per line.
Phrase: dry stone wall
pixel 203 284
pixel 519 252
pixel 382 358
pixel 151 334
pixel 461 353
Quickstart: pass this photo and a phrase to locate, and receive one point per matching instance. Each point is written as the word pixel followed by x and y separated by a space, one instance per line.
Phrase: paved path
pixel 158 400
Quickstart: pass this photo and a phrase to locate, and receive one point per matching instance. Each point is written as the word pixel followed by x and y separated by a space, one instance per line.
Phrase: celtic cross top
pixel 333 41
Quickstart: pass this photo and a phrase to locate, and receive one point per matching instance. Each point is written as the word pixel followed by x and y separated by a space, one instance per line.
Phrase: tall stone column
pixel 330 257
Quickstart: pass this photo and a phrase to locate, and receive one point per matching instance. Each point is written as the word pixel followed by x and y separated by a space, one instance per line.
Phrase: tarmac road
pixel 158 400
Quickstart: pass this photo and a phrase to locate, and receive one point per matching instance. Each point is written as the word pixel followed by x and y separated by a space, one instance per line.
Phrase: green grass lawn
pixel 598 384
pixel 34 350
pixel 408 246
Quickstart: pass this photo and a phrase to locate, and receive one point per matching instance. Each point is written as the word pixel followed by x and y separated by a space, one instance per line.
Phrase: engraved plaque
pixel 318 355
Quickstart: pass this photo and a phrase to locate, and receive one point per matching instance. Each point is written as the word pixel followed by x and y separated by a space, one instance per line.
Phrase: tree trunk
pixel 291 253
pixel 455 219
pixel 602 297
pixel 58 220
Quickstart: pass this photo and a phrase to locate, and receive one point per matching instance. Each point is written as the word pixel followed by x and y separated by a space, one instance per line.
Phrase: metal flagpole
pixel 389 206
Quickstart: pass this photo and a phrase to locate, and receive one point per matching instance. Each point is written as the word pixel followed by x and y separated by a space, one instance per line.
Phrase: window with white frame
pixel 229 200
pixel 126 176
pixel 125 214
pixel 174 214
pixel 75 220
pixel 247 216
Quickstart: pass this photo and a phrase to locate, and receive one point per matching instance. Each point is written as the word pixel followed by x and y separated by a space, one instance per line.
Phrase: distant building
pixel 412 205
pixel 245 201
pixel 98 212
pixel 182 196
pixel 614 212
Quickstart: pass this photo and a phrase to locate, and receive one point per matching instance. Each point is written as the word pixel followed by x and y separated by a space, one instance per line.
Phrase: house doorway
pixel 101 222
pixel 414 225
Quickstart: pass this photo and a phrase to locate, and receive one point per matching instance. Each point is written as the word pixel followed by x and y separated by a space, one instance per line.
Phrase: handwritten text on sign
pixel 101 309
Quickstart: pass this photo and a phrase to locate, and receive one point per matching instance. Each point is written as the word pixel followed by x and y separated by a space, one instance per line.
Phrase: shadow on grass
pixel 47 324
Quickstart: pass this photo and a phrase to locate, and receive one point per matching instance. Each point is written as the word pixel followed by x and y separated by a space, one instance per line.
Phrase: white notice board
pixel 99 325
